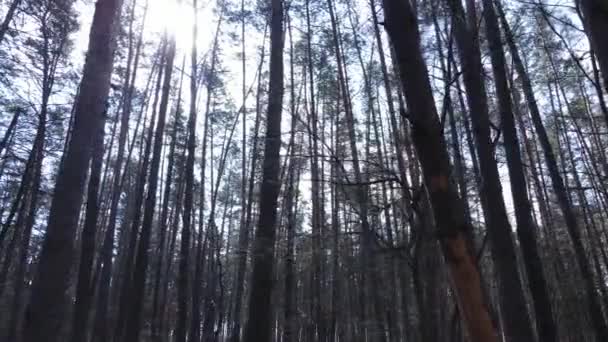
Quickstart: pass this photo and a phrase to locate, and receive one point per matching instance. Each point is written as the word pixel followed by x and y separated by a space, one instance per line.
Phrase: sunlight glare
pixel 175 18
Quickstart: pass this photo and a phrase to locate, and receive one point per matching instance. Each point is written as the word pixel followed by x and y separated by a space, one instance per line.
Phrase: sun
pixel 176 18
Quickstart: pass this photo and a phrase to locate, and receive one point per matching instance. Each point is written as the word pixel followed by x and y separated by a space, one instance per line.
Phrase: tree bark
pixel 401 25
pixel 517 322
pixel 260 311
pixel 48 304
pixel 184 270
pixel 593 301
pixel 526 229
pixel 595 19
pixel 84 287
pixel 134 319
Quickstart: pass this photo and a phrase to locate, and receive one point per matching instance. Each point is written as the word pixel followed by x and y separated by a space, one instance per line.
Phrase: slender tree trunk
pixel 134 319
pixel 526 230
pixel 10 130
pixel 243 242
pixel 164 213
pixel 516 320
pixel 137 199
pixel 260 311
pixel 104 262
pixel 8 17
pixel 318 215
pixel 188 199
pixel 593 301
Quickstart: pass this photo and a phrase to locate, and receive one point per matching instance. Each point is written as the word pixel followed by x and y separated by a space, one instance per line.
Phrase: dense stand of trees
pixel 304 170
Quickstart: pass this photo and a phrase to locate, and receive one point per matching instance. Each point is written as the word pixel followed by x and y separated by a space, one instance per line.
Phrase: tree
pixel 48 304
pixel 430 145
pixel 260 312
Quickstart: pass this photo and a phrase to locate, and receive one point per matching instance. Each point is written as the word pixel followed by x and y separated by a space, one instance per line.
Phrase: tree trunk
pixel 593 301
pixel 595 19
pixel 84 287
pixel 48 304
pixel 10 130
pixel 260 312
pixel 8 17
pixel 516 319
pixel 134 319
pixel 526 229
pixel 401 25
pixel 243 242
pixel 183 281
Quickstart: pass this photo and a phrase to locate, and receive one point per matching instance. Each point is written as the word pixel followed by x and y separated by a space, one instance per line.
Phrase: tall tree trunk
pixel 48 304
pixel 26 219
pixel 517 322
pixel 243 241
pixel 260 311
pixel 369 274
pixel 401 25
pixel 84 287
pixel 593 301
pixel 318 215
pixel 105 263
pixel 131 228
pixel 134 319
pixel 526 229
pixel 184 270
pixel 595 19
pixel 163 221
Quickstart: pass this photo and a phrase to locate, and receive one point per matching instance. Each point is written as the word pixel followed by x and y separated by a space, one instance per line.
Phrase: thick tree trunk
pixel 401 25
pixel 48 304
pixel 84 288
pixel 595 18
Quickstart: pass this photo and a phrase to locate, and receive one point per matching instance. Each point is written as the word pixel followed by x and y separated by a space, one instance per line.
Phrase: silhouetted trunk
pixel 517 322
pixel 526 229
pixel 183 278
pixel 105 263
pixel 595 19
pixel 8 17
pixel 10 130
pixel 124 286
pixel 48 304
pixel 163 221
pixel 134 319
pixel 84 287
pixel 26 219
pixel 401 25
pixel 260 311
pixel 244 235
pixel 593 301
